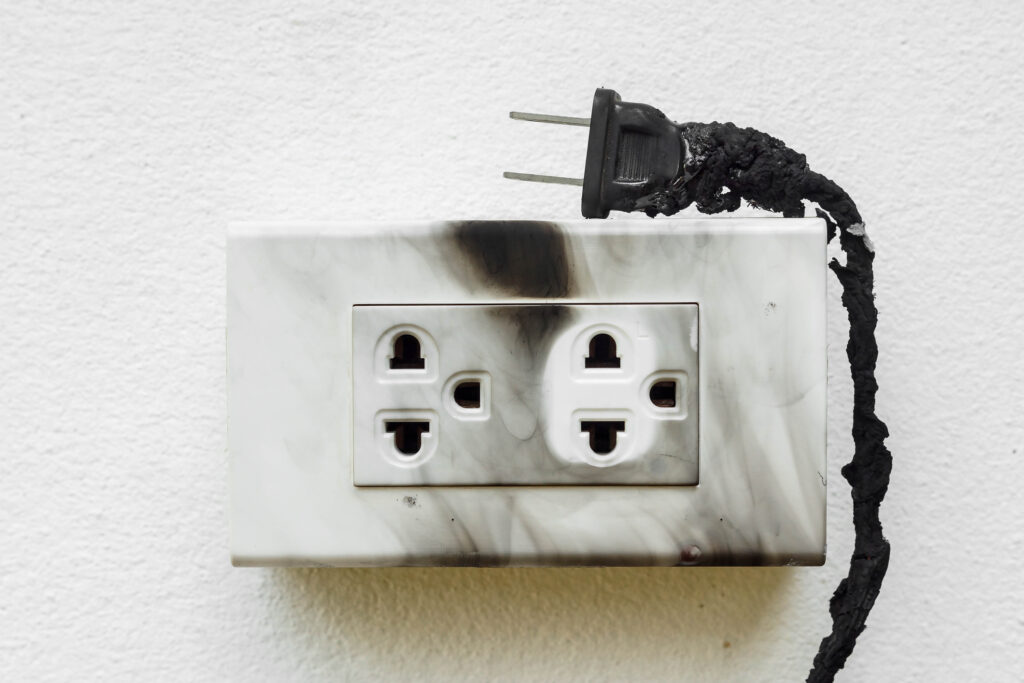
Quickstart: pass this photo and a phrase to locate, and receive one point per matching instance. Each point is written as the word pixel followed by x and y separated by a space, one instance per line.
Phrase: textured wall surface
pixel 131 134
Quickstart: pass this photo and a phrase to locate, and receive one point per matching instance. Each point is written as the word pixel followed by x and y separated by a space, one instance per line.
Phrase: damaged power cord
pixel 638 160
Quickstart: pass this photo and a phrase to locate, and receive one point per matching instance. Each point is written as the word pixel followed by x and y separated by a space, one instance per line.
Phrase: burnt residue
pixel 521 258
pixel 868 471
pixel 725 165
pixel 524 259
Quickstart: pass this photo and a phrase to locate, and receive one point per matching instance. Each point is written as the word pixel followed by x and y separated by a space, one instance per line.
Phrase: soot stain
pixel 522 258
pixel 534 326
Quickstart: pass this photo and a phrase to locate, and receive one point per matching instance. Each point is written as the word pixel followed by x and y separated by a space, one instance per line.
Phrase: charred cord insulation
pixel 639 160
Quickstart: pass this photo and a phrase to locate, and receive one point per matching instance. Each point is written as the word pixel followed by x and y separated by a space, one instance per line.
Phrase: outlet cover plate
pixel 295 290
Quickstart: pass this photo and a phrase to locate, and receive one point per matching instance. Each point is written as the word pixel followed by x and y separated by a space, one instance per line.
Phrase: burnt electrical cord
pixel 639 160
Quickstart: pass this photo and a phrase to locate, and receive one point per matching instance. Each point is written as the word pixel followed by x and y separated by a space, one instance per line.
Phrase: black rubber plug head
pixel 633 151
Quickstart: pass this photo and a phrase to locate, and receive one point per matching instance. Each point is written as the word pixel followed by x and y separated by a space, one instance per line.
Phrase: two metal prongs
pixel 546 118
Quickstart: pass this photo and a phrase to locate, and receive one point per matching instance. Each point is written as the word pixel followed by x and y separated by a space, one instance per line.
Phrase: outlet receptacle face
pixel 515 394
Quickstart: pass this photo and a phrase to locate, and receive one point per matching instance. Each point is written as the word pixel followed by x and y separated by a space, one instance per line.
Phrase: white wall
pixel 131 134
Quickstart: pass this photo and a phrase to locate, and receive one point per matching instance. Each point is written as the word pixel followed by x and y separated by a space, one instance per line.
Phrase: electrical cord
pixel 638 160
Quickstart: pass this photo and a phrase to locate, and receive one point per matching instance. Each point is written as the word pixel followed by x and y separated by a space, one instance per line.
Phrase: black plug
pixel 634 155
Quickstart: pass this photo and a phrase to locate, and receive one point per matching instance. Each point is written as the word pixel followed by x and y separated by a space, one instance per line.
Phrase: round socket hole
pixel 603 353
pixel 663 393
pixel 408 435
pixel 603 434
pixel 407 354
pixel 467 394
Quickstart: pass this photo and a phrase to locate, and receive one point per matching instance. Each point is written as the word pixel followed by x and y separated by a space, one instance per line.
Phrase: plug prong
pixel 548 118
pixel 535 178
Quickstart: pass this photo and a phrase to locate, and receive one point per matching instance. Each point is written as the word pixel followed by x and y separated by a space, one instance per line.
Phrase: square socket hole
pixel 467 395
pixel 664 394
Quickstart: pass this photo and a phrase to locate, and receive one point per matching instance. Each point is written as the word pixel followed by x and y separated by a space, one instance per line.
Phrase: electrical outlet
pixel 524 392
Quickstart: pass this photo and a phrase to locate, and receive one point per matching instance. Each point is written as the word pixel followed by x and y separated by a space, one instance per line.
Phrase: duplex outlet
pixel 503 394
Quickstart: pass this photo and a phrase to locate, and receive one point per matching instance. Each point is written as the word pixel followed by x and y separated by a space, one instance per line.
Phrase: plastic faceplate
pixel 760 286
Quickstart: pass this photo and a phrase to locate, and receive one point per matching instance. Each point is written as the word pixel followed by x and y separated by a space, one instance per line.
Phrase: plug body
pixel 632 152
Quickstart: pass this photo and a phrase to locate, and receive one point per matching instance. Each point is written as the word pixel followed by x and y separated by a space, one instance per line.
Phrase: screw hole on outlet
pixel 408 435
pixel 407 354
pixel 603 434
pixel 603 353
pixel 467 395
pixel 663 393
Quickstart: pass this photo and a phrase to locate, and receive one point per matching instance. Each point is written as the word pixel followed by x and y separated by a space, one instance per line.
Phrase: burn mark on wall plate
pixel 529 259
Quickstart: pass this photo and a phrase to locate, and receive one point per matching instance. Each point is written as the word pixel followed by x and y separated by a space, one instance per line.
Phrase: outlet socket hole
pixel 663 393
pixel 467 395
pixel 408 435
pixel 407 354
pixel 603 353
pixel 603 434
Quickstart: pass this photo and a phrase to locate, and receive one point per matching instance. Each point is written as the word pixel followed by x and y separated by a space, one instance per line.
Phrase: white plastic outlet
pixel 525 394
pixel 418 393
